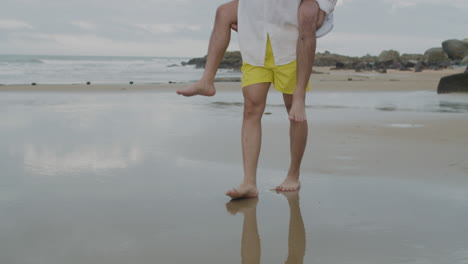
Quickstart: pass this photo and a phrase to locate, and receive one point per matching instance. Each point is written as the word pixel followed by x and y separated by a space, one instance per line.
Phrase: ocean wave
pixel 19 60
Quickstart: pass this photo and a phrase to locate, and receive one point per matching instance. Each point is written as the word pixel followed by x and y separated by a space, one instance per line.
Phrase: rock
pixel 455 49
pixel 172 65
pixel 33 84
pixel 389 57
pixel 131 82
pixel 465 60
pixel 339 65
pixel 88 83
pixel 410 63
pixel 359 67
pixel 453 83
pixel 198 62
pixel 466 70
pixel 412 57
pixel 231 60
pixel 228 79
pixel 381 71
pixel 436 56
pixel 328 59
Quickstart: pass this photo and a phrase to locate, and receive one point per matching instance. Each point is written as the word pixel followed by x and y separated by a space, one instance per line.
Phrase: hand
pixel 234 26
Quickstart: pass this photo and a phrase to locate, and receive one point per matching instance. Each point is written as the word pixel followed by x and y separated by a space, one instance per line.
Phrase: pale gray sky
pixel 182 27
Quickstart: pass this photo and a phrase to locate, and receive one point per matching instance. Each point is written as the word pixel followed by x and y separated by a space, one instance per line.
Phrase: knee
pixel 307 15
pixel 225 12
pixel 253 109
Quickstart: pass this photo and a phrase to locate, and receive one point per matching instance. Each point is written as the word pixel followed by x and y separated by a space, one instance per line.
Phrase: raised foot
pixel 297 112
pixel 289 185
pixel 198 88
pixel 243 192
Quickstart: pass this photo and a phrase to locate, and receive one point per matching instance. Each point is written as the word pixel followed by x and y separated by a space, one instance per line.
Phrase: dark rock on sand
pixel 339 65
pixel 327 59
pixel 231 60
pixel 389 57
pixel 33 84
pixel 453 83
pixel 435 57
pixel 465 60
pixel 88 83
pixel 455 49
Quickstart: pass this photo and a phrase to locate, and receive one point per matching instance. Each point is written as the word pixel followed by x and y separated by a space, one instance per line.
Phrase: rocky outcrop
pixel 436 56
pixel 455 49
pixel 327 59
pixel 454 83
pixel 389 57
pixel 465 60
pixel 231 60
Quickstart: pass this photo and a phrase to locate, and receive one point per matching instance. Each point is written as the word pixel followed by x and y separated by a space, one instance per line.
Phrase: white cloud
pixel 90 44
pixel 167 28
pixel 407 3
pixel 14 24
pixel 86 25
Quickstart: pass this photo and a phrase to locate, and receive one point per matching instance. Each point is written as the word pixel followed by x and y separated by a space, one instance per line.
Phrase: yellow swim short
pixel 283 77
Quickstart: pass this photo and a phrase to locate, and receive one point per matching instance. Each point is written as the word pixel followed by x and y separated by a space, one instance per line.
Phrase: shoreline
pixel 325 80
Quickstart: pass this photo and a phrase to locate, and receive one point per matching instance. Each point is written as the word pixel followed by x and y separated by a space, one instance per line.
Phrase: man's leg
pixel 226 15
pixel 298 132
pixel 297 237
pixel 306 44
pixel 254 105
pixel 250 246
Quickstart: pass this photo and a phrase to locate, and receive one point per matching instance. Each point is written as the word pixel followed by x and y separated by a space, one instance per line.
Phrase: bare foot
pixel 199 88
pixel 297 112
pixel 242 206
pixel 243 191
pixel 290 184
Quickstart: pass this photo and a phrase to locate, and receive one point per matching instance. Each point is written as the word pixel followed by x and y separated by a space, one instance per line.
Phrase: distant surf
pixel 51 69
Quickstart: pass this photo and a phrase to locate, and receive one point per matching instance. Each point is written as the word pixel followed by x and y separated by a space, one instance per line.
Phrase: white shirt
pixel 277 19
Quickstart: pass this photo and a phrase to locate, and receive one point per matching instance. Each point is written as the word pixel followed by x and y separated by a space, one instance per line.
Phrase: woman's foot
pixel 199 88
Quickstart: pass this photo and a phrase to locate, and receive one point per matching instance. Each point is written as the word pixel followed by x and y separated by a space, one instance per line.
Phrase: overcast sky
pixel 182 27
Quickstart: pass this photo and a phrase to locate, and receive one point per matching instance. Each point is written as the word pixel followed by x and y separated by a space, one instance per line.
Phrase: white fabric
pixel 327 5
pixel 277 19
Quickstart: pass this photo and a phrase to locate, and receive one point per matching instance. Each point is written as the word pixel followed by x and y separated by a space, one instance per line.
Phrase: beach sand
pixel 135 173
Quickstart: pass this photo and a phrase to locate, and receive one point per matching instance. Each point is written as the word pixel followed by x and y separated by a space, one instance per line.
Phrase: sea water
pixel 53 69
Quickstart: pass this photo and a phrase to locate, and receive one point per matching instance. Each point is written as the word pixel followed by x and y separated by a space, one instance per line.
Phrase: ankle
pixel 293 174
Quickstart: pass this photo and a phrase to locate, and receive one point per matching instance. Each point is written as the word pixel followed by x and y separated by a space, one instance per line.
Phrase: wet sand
pixel 138 176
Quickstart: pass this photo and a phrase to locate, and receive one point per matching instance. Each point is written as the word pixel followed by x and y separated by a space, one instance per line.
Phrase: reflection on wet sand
pixel 250 246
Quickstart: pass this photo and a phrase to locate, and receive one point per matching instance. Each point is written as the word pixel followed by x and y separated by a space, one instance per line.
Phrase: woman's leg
pixel 226 15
